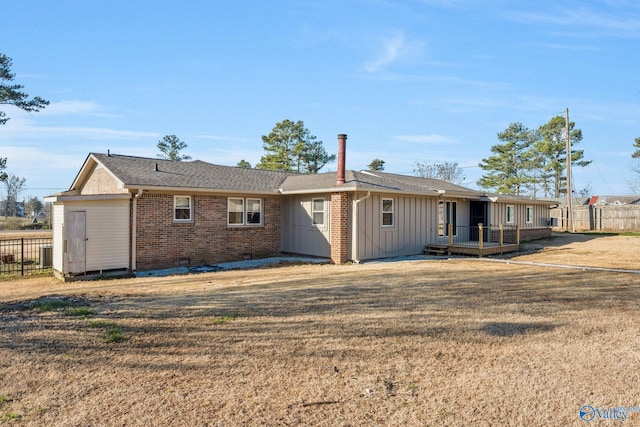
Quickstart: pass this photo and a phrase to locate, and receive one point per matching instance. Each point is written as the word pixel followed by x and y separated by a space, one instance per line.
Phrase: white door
pixel 76 234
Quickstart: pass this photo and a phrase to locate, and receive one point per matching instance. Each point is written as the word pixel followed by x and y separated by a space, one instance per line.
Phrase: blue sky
pixel 430 80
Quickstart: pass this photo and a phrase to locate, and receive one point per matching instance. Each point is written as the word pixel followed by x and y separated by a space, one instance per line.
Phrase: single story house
pixel 135 214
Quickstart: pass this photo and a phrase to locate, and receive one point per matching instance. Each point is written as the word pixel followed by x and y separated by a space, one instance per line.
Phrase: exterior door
pixel 76 238
pixel 478 216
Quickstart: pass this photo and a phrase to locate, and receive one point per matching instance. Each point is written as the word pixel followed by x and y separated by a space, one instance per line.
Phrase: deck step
pixel 438 250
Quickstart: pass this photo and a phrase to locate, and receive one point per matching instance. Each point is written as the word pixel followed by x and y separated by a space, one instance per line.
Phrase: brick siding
pixel 339 227
pixel 163 243
pixel 527 234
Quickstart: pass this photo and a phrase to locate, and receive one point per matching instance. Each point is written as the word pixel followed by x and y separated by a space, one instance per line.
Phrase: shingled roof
pixel 158 174
pixel 142 172
pixel 373 181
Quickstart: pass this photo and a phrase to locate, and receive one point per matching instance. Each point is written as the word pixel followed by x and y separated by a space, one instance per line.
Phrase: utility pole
pixel 569 191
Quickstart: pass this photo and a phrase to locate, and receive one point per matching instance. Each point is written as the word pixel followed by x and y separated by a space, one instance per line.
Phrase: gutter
pixel 134 226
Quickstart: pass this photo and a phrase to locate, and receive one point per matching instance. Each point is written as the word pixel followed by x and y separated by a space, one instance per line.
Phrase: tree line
pixel 526 161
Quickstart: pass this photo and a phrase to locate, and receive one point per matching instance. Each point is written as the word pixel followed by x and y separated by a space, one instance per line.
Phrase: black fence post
pixel 22 256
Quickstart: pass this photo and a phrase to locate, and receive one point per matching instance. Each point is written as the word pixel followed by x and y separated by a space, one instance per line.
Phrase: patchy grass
pixel 9 416
pixel 220 320
pixel 84 312
pixel 113 331
pixel 47 305
pixel 448 342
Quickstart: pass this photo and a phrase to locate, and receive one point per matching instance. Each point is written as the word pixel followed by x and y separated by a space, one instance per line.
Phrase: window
pixel 511 214
pixel 244 211
pixel 529 214
pixel 182 208
pixel 387 213
pixel 447 214
pixel 254 211
pixel 236 211
pixel 317 212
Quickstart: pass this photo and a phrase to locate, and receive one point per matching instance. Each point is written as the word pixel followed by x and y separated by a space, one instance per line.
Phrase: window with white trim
pixel 511 214
pixel 388 219
pixel 529 214
pixel 244 211
pixel 317 212
pixel 254 211
pixel 182 209
pixel 236 211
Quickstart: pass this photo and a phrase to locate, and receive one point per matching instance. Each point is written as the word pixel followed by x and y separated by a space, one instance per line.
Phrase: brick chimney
pixel 342 148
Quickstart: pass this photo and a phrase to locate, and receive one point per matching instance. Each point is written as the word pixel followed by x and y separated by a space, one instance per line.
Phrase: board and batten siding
pixel 107 233
pixel 299 234
pixel 498 215
pixel 415 225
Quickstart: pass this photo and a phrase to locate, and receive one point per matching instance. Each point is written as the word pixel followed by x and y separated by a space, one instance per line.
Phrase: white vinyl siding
pixel 57 223
pixel 107 233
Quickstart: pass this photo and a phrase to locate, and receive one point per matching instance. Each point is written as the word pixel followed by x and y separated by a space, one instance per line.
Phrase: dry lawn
pixel 432 342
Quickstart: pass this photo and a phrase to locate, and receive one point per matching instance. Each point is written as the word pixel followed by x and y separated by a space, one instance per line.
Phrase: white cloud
pixel 21 128
pixel 392 50
pixel 599 22
pixel 74 107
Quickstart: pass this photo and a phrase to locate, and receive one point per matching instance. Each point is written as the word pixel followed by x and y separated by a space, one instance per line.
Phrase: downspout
pixel 354 228
pixel 134 225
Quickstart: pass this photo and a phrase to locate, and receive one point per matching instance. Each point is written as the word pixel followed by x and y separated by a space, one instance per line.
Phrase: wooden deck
pixel 471 248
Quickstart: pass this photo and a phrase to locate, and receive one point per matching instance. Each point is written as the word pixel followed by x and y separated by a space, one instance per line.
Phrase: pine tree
pixel 291 147
pixel 552 151
pixel 510 167
pixel 376 165
pixel 636 145
pixel 170 147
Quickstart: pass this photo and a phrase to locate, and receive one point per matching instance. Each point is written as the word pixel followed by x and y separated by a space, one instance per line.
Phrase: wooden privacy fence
pixel 26 256
pixel 600 218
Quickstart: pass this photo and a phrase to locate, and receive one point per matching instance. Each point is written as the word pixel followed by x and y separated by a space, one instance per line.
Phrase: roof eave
pixel 86 197
pixel 133 188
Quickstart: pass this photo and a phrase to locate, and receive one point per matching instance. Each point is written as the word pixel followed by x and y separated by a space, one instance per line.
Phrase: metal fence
pixel 26 256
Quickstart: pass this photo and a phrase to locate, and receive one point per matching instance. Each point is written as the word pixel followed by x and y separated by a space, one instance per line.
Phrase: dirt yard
pixel 428 342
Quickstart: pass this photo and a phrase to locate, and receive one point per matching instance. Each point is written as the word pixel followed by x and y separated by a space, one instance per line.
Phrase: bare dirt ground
pixel 429 342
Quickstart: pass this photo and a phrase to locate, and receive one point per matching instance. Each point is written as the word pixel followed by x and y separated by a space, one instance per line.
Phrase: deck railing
pixel 478 236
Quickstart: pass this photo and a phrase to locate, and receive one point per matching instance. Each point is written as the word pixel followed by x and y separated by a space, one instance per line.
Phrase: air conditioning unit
pixel 46 256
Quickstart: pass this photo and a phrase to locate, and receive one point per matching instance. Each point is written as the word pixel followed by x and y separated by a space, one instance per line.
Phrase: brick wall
pixel 339 227
pixel 527 234
pixel 163 243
